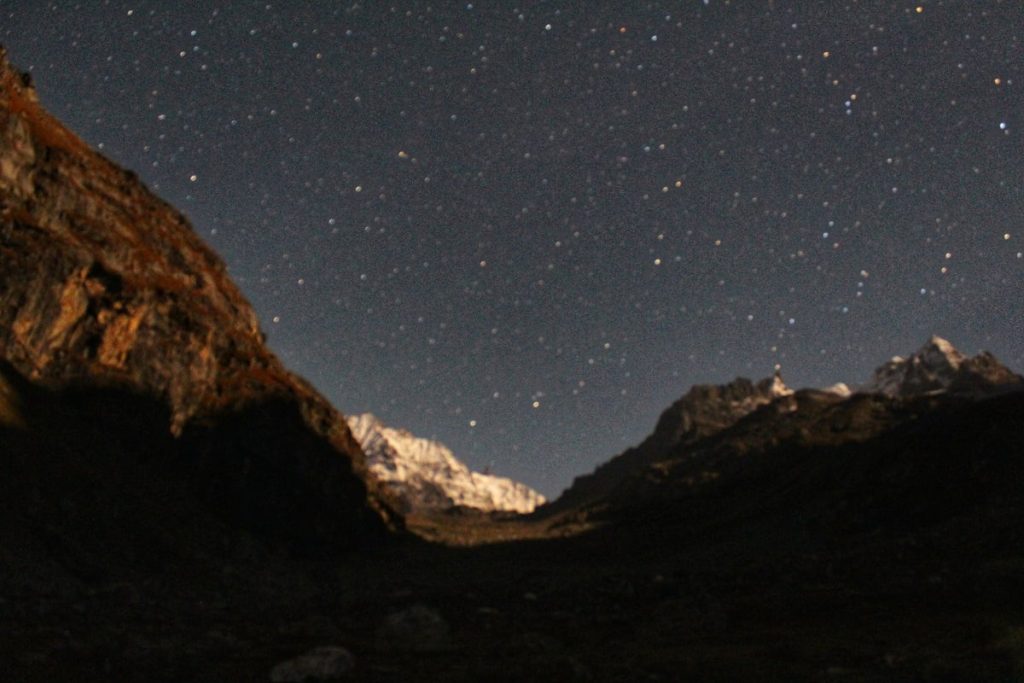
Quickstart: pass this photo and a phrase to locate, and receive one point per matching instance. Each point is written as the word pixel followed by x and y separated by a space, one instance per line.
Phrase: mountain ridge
pixel 705 411
pixel 938 366
pixel 427 477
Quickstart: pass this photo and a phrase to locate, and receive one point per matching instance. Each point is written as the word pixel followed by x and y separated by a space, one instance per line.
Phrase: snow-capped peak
pixel 838 389
pixel 938 352
pixel 937 367
pixel 427 477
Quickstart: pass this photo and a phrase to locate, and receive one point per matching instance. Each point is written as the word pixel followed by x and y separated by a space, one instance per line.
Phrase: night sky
pixel 525 229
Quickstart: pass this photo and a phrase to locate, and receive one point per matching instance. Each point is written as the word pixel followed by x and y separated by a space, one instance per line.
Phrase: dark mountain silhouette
pixel 718 438
pixel 703 411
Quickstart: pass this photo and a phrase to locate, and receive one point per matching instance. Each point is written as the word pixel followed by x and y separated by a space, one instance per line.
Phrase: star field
pixel 525 229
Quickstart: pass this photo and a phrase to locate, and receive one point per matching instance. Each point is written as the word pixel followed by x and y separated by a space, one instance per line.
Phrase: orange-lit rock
pixel 103 284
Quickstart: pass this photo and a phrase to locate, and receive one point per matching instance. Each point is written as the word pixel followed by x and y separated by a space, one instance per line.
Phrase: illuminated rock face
pixel 104 281
pixel 426 477
pixel 102 284
pixel 939 367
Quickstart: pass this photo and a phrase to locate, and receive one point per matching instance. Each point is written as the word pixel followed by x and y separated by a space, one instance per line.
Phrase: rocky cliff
pixel 104 286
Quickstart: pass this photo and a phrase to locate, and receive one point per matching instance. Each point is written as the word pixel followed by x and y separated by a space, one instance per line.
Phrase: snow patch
pixel 838 389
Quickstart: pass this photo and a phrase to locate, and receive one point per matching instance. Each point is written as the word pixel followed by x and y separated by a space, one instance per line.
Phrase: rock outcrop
pixel 104 286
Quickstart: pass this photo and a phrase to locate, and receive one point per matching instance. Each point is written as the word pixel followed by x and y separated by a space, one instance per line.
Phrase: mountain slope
pixel 855 460
pixel 106 288
pixel 939 367
pixel 703 411
pixel 426 477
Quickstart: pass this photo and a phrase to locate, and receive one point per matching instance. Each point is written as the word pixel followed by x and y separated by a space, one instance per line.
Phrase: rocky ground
pixel 121 573
pixel 532 611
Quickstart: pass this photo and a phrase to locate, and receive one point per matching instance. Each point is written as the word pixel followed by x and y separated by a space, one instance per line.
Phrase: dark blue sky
pixel 525 229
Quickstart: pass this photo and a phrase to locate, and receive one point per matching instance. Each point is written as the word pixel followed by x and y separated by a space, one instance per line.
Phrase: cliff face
pixel 103 281
pixel 104 285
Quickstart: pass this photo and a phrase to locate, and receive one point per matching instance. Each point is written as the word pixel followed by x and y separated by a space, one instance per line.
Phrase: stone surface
pixel 416 629
pixel 105 286
pixel 328 663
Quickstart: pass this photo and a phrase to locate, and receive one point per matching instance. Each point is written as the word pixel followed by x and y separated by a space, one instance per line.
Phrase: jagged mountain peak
pixel 937 352
pixel 707 411
pixel 938 366
pixel 706 408
pixel 425 476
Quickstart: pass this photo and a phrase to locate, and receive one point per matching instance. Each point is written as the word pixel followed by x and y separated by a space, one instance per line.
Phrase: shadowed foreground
pixel 115 566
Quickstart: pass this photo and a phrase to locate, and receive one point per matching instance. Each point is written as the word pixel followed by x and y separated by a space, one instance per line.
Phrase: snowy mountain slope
pixel 427 477
pixel 939 367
